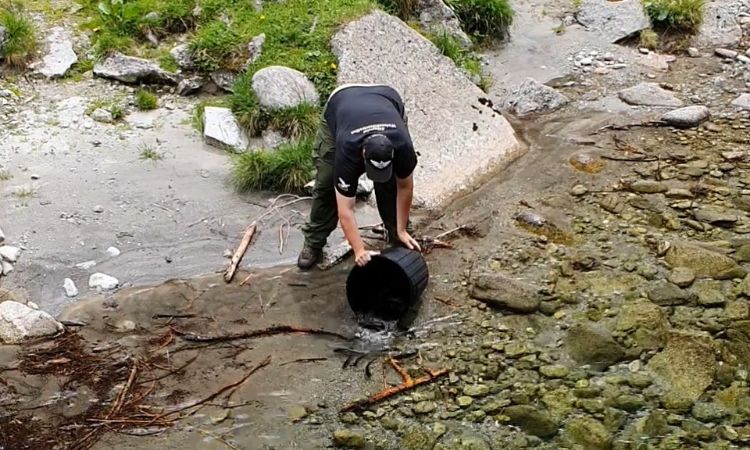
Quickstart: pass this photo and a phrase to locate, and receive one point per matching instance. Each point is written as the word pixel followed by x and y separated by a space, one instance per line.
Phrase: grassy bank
pixel 21 42
pixel 675 15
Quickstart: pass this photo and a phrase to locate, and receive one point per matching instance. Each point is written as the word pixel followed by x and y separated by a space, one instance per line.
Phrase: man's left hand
pixel 409 241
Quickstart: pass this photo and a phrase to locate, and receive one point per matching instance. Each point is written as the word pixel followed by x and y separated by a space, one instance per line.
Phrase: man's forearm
pixel 404 195
pixel 351 232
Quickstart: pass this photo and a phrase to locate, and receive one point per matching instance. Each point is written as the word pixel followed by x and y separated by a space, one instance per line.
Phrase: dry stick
pixel 303 360
pixel 121 397
pixel 240 252
pixel 247 278
pixel 625 159
pixel 653 123
pixel 408 384
pixel 451 231
pixel 271 331
pixel 263 364
pixel 172 372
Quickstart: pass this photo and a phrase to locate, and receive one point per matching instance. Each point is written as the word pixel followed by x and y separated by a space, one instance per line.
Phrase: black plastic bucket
pixel 389 285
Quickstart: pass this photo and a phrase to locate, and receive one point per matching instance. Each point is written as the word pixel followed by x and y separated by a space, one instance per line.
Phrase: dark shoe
pixel 308 257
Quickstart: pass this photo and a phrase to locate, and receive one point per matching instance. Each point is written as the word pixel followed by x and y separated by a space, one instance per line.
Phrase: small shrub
pixel 146 100
pixel 214 46
pixel 21 41
pixel 649 39
pixel 484 19
pixel 463 58
pixel 116 111
pixel 287 169
pixel 168 63
pixel 297 122
pixel 682 15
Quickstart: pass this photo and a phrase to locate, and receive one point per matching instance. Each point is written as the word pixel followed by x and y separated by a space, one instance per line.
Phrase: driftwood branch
pixel 408 383
pixel 272 331
pixel 240 252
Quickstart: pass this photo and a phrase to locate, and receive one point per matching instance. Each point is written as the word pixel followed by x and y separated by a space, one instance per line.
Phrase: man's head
pixel 378 153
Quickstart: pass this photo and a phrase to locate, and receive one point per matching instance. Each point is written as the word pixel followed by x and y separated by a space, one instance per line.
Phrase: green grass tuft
pixel 216 45
pixel 21 40
pixel 287 169
pixel 484 19
pixel 649 39
pixel 463 58
pixel 680 15
pixel 146 100
pixel 168 63
pixel 5 174
pixel 300 121
pixel 150 154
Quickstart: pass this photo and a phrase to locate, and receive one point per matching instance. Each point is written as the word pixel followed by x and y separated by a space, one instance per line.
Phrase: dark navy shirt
pixel 355 112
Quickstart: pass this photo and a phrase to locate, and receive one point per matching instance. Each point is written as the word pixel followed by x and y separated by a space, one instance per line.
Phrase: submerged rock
pixel 501 291
pixel 743 101
pixel 593 345
pixel 533 421
pixel 278 87
pixel 19 322
pixel 687 117
pixel 686 366
pixel 702 261
pixel 131 70
pixel 648 94
pixel 589 433
pixel 348 439
pixel 534 97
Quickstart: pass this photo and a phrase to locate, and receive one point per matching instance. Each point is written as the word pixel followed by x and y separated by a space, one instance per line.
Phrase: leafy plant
pixel 146 100
pixel 20 41
pixel 465 59
pixel 288 168
pixel 681 15
pixel 484 19
pixel 149 153
pixel 215 45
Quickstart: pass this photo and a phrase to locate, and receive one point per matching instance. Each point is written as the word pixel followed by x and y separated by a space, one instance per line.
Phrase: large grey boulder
pixel 222 130
pixel 279 87
pixel 503 292
pixel 437 17
pixel 721 27
pixel 687 364
pixel 687 117
pixel 649 94
pixel 60 55
pixel 614 20
pixel 534 97
pixel 19 322
pixel 131 70
pixel 459 135
pixel 589 343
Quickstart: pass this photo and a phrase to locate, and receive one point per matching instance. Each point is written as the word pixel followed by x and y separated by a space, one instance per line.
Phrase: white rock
pixel 70 288
pixel 726 53
pixel 113 251
pixel 103 282
pixel 743 101
pixel 9 253
pixel 613 20
pixel 586 61
pixel 648 94
pixel 32 305
pixel 86 265
pixel 282 87
pixel 255 48
pixel 693 52
pixel 181 55
pixel 19 322
pixel 5 268
pixel 102 115
pixel 98 209
pixel 687 117
pixel 128 69
pixel 222 130
pixel 60 57
pixel 532 96
pixel 720 26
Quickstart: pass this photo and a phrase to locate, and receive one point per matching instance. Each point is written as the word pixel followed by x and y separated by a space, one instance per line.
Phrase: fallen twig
pixel 407 384
pixel 263 364
pixel 446 301
pixel 247 278
pixel 652 123
pixel 304 360
pixel 451 231
pixel 171 372
pixel 240 252
pixel 121 397
pixel 271 331
pixel 626 159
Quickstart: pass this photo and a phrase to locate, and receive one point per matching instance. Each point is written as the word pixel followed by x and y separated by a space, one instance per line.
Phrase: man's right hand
pixel 363 257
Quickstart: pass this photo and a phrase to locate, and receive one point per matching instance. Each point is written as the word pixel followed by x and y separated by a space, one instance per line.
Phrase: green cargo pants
pixel 324 213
